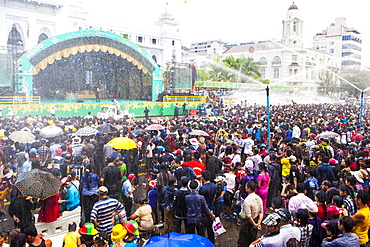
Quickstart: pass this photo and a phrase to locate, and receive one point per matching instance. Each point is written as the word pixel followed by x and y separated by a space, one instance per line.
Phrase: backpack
pixel 168 196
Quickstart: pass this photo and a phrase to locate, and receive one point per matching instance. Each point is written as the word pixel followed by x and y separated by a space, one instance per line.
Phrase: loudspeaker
pixel 80 100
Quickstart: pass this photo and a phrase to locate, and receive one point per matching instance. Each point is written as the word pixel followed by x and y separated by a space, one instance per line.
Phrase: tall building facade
pixel 284 62
pixel 340 41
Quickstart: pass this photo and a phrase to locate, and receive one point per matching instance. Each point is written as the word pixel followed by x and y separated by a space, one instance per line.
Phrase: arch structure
pixel 64 45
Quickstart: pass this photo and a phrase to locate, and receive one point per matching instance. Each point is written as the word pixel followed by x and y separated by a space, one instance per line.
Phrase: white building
pixel 25 23
pixel 342 42
pixel 284 62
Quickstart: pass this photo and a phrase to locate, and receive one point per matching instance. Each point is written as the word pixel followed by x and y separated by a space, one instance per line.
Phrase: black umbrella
pixel 139 132
pixel 107 128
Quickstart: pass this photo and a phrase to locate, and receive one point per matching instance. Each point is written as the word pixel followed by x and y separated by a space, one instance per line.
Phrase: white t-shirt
pixel 248 145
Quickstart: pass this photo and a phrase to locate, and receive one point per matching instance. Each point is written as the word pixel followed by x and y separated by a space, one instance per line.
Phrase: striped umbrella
pixel 86 131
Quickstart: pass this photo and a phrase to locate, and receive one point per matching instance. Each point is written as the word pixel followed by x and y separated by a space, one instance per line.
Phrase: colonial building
pixel 286 62
pixel 25 23
pixel 340 41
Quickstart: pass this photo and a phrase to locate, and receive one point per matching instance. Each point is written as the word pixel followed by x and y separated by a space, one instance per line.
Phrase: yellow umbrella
pixel 122 143
pixel 2 134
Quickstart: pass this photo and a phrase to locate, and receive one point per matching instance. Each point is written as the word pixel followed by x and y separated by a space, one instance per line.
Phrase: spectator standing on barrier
pixel 104 210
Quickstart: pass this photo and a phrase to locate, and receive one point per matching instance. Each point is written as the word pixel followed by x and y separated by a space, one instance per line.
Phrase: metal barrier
pixel 19 100
pixel 184 99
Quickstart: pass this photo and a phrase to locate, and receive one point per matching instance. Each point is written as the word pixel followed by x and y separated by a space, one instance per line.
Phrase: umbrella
pixel 198 133
pixel 38 184
pixel 86 131
pixel 327 135
pixel 107 128
pixel 51 131
pixel 139 132
pixel 155 127
pixel 22 136
pixel 122 143
pixel 178 239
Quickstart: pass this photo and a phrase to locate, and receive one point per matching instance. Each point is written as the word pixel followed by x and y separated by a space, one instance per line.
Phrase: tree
pixel 328 80
pixel 202 75
pixel 356 76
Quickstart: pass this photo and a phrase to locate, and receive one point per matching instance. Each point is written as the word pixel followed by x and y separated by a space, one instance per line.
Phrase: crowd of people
pixel 305 185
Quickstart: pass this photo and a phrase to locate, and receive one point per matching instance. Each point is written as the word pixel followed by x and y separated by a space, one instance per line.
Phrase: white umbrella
pixel 51 131
pixel 87 131
pixel 327 135
pixel 22 136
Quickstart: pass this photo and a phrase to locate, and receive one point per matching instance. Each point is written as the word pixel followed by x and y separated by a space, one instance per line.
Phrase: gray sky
pixel 239 20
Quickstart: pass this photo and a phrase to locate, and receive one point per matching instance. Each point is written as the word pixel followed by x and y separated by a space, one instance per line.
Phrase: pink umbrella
pixel 155 127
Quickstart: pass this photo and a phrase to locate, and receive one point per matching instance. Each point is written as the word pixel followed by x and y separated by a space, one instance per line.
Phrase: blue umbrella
pixel 175 239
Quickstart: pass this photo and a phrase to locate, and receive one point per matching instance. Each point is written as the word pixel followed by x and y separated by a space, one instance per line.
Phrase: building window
pixel 276 60
pixel 331 43
pixel 173 42
pixel 276 73
pixel 294 26
pixel 294 58
pixel 154 41
pixel 263 73
pixel 331 50
pixel 140 39
pixel 42 37
pixel 263 61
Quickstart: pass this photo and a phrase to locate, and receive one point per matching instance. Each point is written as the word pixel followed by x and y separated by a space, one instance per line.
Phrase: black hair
pixel 196 155
pixel 207 176
pixel 72 227
pixel 184 180
pixel 302 215
pixel 352 180
pixel 171 180
pixel 101 238
pixel 193 184
pixel 345 188
pixel 347 222
pixel 251 185
pixel 325 159
pixel 110 159
pixel 321 197
pixel 278 202
pixel 18 240
pixel 300 187
pixel 363 196
pixel 338 200
pixel 262 166
pixel 332 227
pixel 29 229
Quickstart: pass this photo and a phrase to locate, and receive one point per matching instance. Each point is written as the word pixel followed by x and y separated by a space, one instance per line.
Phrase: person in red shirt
pixel 195 164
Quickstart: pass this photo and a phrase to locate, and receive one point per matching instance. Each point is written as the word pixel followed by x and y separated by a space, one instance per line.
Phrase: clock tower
pixel 293 28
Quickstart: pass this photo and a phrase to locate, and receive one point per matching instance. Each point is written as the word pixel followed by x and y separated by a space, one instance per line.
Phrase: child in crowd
pixel 72 238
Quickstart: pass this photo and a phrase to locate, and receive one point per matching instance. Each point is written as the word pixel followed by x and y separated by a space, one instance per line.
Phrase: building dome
pixel 293 6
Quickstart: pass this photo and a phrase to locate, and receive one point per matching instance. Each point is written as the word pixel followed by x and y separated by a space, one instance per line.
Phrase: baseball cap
pixel 284 214
pixel 102 190
pixel 272 219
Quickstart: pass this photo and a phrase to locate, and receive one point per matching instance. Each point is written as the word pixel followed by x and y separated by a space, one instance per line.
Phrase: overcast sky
pixel 239 20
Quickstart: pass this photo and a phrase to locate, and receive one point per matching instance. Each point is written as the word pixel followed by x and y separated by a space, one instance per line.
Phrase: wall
pixel 81 109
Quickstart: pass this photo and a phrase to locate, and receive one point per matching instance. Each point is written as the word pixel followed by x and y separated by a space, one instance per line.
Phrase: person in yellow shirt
pixel 285 169
pixel 72 239
pixel 362 217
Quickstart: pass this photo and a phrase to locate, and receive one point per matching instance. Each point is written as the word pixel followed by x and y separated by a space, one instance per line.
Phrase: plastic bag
pixel 217 227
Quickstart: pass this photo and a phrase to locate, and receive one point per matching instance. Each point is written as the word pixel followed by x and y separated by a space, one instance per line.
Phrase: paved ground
pixel 227 239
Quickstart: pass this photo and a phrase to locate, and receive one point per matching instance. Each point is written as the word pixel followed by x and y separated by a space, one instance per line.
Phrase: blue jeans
pixel 218 208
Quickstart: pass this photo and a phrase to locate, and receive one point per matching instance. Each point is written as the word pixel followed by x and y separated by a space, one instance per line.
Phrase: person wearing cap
pixel 87 232
pixel 272 236
pixel 315 221
pixel 362 217
pixel 128 191
pixel 252 215
pixel 347 238
pixel 72 200
pixel 196 206
pixel 104 210
pixel 287 231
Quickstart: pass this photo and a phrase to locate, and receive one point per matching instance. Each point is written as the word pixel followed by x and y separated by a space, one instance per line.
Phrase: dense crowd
pixel 306 185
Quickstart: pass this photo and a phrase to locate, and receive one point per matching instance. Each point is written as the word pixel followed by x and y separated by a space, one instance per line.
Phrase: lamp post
pixel 361 109
pixel 268 117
